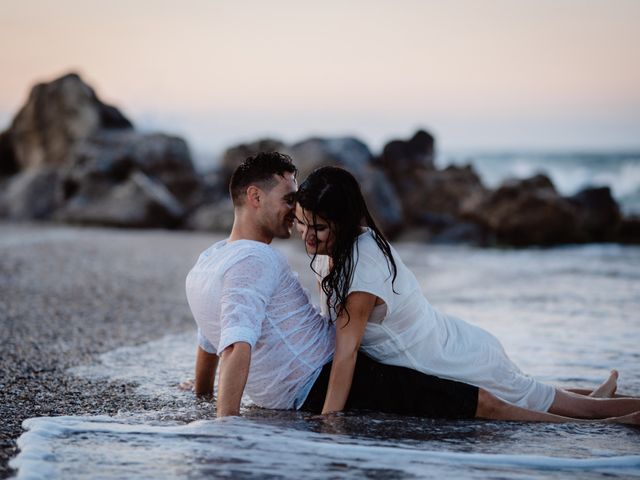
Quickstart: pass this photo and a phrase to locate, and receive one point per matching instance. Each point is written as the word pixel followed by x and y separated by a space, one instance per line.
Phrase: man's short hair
pixel 259 170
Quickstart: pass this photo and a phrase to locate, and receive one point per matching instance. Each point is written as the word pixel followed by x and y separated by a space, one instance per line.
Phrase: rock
pixel 55 117
pixel 8 162
pixel 32 194
pixel 347 152
pixel 138 201
pixel 599 213
pixel 440 193
pixel 401 159
pixel 354 156
pixel 629 230
pixel 527 212
pixel 115 154
pixel 216 217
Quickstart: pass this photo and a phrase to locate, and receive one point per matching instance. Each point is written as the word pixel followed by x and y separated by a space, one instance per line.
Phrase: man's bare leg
pixel 492 408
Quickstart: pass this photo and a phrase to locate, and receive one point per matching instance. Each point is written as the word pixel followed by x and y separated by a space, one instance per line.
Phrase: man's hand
pixel 234 370
pixel 206 365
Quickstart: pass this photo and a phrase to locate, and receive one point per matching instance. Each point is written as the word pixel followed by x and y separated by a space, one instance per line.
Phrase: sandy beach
pixel 68 294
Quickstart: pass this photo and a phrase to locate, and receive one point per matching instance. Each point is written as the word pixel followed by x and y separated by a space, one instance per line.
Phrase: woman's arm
pixel 349 332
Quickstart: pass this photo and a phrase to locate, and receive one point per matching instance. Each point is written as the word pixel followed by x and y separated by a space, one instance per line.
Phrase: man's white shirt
pixel 245 291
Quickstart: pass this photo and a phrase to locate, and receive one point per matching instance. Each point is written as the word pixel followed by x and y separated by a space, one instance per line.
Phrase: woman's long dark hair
pixel 334 195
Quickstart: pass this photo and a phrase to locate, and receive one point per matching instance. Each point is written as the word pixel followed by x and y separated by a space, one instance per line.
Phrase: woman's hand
pixel 349 331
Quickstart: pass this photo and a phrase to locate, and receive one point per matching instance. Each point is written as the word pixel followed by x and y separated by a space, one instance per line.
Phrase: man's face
pixel 277 209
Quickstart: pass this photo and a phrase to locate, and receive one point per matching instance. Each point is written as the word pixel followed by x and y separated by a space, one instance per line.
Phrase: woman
pixel 378 306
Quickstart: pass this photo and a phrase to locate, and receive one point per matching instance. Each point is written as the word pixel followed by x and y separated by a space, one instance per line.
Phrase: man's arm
pixel 349 332
pixel 234 370
pixel 206 365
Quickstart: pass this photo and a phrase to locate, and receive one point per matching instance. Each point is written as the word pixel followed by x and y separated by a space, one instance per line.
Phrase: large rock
pixel 8 162
pixel 137 201
pixel 353 155
pixel 440 194
pixel 599 213
pixel 153 172
pixel 32 194
pixel 629 230
pixel 216 217
pixel 401 159
pixel 115 154
pixel 527 212
pixel 55 117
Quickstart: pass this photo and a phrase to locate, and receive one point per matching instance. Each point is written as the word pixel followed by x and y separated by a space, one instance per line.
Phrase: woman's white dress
pixel 407 331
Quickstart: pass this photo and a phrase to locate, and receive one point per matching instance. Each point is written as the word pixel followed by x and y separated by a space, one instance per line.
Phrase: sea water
pixel 565 315
pixel 569 171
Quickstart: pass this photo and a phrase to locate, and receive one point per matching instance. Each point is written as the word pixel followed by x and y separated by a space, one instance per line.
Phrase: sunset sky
pixel 541 74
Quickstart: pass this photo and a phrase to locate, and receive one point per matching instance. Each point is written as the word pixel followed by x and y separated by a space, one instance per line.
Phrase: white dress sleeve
pixel 205 344
pixel 246 290
pixel 372 273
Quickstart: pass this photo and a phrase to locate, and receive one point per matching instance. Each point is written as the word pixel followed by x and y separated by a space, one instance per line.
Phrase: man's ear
pixel 253 195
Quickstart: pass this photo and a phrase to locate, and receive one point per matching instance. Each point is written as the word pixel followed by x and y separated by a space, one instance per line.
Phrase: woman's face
pixel 316 233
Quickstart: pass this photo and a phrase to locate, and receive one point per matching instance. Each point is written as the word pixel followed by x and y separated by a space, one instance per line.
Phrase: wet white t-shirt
pixel 408 331
pixel 245 291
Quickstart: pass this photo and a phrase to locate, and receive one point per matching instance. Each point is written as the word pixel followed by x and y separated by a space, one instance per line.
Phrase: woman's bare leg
pixel 606 389
pixel 491 407
pixel 569 404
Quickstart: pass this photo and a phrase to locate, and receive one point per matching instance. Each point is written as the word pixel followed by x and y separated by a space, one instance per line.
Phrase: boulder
pixel 8 162
pixel 354 156
pixel 629 230
pixel 32 194
pixel 401 159
pixel 115 154
pixel 440 193
pixel 137 201
pixel 216 217
pixel 599 213
pixel 55 117
pixel 527 212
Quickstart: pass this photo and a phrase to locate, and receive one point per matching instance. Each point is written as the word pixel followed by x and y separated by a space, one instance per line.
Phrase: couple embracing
pixel 377 345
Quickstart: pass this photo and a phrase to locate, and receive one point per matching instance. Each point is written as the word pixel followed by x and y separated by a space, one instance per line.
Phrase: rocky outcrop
pixel 527 212
pixel 70 157
pixel 56 116
pixel 353 155
pixel 32 194
pixel 599 214
pixel 76 159
pixel 138 201
pixel 212 216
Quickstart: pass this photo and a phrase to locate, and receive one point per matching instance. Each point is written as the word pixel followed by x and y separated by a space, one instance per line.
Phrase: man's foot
pixel 630 419
pixel 608 387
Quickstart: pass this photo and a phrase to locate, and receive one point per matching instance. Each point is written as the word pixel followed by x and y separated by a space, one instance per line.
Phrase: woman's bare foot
pixel 630 419
pixel 187 385
pixel 608 387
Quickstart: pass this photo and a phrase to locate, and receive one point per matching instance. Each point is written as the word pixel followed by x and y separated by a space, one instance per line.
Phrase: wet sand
pixel 68 294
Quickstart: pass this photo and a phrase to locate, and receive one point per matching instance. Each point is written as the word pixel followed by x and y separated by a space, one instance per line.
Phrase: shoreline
pixel 69 294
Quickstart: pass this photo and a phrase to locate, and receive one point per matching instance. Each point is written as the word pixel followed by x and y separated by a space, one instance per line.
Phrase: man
pixel 254 316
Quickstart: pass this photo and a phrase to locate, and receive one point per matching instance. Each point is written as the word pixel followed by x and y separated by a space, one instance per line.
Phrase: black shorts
pixel 399 390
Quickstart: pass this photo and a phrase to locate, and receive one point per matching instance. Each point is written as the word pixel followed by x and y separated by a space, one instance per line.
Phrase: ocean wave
pixel 240 447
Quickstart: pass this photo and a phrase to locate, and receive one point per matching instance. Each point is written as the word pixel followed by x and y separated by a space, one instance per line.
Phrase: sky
pixel 478 74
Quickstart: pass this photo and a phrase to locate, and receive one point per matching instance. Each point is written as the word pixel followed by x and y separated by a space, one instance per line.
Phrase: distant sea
pixel 569 171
